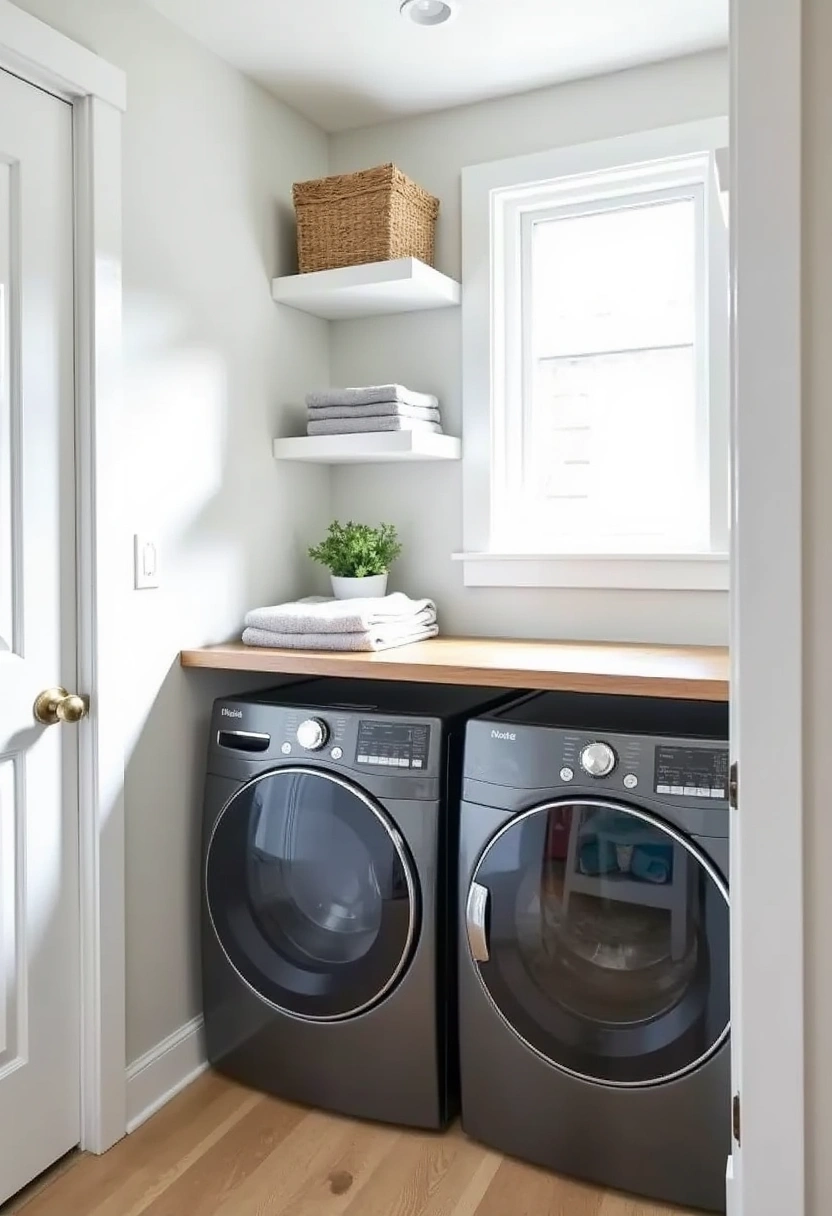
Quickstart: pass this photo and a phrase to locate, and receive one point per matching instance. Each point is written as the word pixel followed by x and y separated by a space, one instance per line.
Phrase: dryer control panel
pixel 692 772
pixel 393 744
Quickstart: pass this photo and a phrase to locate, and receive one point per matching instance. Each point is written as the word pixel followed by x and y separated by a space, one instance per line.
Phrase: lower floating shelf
pixel 373 447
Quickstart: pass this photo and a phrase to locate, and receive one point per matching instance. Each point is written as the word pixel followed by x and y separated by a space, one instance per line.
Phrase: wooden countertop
pixel 696 672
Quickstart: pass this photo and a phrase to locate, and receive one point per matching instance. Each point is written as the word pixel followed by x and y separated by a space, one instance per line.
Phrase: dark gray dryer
pixel 328 849
pixel 594 965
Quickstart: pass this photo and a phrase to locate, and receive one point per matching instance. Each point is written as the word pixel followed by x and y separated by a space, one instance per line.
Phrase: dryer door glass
pixel 312 893
pixel 601 934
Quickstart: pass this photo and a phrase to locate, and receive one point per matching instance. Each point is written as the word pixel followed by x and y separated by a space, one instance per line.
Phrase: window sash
pixel 519 515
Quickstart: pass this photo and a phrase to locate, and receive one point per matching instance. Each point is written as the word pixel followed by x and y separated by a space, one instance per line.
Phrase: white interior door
pixel 39 898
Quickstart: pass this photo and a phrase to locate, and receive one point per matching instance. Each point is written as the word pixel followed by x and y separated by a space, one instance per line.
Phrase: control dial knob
pixel 598 759
pixel 312 734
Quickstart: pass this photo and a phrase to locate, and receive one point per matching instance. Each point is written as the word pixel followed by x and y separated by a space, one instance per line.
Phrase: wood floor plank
pixel 156 1148
pixel 222 1150
pixel 282 1177
pixel 523 1190
pixel 237 1154
pixel 465 1183
pixel 406 1180
pixel 332 1190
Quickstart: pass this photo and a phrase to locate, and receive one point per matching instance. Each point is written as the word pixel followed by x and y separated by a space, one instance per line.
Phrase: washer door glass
pixel 311 893
pixel 601 934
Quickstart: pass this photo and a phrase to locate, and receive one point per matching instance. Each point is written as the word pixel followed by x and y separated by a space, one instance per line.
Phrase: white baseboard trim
pixel 162 1072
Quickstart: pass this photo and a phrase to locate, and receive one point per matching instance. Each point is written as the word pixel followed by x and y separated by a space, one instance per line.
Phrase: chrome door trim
pixel 401 849
pixel 699 857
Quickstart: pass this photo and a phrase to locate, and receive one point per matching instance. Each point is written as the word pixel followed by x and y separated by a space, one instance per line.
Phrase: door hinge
pixel 735 1117
pixel 734 786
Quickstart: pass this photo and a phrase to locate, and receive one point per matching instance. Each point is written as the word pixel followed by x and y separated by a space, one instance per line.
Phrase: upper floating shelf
pixel 376 447
pixel 371 290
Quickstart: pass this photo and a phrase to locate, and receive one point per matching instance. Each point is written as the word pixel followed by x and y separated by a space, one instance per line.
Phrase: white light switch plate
pixel 145 563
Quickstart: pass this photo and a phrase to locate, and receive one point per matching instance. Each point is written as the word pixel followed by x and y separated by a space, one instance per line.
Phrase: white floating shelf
pixel 375 447
pixel 371 290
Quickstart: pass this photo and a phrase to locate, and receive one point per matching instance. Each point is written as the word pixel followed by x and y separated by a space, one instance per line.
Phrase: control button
pixel 717 793
pixel 336 753
pixel 630 781
pixel 404 762
pixel 598 759
pixel 363 759
pixel 312 734
pixel 286 748
pixel 566 774
pixel 690 791
pixel 417 763
pixel 677 789
pixel 662 789
pixel 701 792
pixel 374 760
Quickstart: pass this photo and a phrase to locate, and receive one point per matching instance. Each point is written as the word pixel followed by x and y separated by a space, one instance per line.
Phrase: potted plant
pixel 358 558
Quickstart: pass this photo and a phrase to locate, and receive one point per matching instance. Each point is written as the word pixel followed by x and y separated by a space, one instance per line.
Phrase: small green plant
pixel 356 550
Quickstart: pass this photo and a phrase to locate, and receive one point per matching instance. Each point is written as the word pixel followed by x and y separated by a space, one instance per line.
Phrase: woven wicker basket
pixel 371 216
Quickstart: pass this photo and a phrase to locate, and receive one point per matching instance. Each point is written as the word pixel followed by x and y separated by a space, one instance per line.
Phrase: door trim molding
pixel 767 1172
pixel 96 91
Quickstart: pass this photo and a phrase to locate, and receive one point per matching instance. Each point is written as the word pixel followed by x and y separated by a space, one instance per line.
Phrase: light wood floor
pixel 221 1150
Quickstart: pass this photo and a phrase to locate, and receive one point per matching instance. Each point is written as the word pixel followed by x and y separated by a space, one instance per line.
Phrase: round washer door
pixel 312 893
pixel 601 934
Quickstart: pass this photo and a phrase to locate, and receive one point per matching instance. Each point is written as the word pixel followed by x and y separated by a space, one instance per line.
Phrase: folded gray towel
pixel 354 426
pixel 371 395
pixel 382 409
pixel 322 614
pixel 377 639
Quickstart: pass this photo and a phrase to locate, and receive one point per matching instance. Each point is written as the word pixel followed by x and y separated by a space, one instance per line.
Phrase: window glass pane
pixel 610 446
pixel 614 280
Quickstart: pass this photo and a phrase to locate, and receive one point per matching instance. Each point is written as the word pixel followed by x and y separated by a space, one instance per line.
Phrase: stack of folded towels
pixel 319 623
pixel 380 407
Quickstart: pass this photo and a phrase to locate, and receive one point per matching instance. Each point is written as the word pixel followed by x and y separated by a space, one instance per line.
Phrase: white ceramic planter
pixel 359 588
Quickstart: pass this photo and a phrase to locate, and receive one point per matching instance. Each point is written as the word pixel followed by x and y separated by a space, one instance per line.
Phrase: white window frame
pixel 495 197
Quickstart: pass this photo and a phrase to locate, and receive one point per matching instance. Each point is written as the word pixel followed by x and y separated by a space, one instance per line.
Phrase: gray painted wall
pixel 423 350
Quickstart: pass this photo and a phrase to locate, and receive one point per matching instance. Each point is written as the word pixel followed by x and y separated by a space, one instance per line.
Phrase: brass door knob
pixel 57 705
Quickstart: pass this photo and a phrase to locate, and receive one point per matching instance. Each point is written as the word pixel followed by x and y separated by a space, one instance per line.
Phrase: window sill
pixel 656 572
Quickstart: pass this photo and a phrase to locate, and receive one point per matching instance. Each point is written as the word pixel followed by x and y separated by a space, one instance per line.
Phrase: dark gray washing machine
pixel 594 960
pixel 329 856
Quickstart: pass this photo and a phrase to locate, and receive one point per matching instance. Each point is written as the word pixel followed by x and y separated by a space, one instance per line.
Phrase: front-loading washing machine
pixel 329 854
pixel 594 951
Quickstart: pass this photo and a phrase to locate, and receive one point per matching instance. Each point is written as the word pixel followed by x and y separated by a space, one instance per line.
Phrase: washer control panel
pixel 631 763
pixel 692 772
pixel 393 745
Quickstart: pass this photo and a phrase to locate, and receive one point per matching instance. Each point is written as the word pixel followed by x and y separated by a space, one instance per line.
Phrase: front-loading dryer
pixel 328 859
pixel 594 954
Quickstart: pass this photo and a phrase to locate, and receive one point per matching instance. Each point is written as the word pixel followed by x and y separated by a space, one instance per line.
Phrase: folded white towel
pixel 355 426
pixel 370 395
pixel 380 638
pixel 382 409
pixel 323 614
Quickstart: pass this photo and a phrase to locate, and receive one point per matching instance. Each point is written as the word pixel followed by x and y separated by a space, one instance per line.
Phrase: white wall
pixel 423 350
pixel 817 557
pixel 209 160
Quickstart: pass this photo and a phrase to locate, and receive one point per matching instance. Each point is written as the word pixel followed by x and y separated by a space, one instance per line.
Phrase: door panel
pixel 311 893
pixel 39 969
pixel 601 935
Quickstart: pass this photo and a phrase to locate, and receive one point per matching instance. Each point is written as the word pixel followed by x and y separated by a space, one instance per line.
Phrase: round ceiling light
pixel 428 12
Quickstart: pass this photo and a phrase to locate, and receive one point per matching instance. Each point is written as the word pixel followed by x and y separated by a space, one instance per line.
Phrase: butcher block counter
pixel 694 672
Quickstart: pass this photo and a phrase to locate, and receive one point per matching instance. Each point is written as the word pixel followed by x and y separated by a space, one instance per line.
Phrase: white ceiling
pixel 350 63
